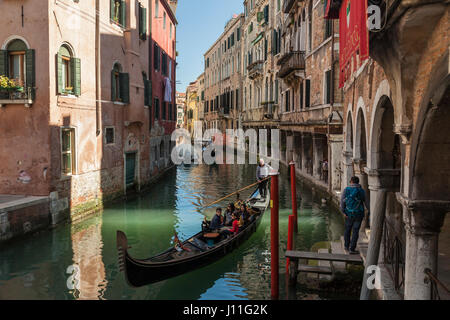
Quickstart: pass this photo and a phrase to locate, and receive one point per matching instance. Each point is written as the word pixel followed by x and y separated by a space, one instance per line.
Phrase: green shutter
pixel 260 16
pixel 150 93
pixel 3 62
pixel 113 86
pixel 59 73
pixel 123 13
pixel 30 67
pixel 307 93
pixel 146 90
pixel 112 6
pixel 75 64
pixel 144 23
pixel 124 79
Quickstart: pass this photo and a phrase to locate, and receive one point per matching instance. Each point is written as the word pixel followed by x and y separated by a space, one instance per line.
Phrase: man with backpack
pixel 353 201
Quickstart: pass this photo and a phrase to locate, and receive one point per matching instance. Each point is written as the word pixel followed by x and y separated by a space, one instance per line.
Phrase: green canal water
pixel 45 265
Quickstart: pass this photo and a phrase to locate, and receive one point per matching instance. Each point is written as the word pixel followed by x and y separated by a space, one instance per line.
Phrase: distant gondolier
pixel 262 172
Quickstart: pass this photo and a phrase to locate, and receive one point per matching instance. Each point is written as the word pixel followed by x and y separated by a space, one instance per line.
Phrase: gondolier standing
pixel 262 172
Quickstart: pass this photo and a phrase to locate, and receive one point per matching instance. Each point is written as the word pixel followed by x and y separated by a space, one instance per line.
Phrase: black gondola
pixel 172 262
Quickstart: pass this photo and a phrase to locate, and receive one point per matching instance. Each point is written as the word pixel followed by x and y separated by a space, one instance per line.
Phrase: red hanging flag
pixel 353 36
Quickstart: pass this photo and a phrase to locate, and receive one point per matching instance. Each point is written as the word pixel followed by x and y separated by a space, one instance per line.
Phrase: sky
pixel 200 23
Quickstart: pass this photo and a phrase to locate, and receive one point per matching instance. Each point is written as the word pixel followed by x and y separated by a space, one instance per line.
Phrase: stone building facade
pixel 79 131
pixel 223 81
pixel 310 100
pixel 396 140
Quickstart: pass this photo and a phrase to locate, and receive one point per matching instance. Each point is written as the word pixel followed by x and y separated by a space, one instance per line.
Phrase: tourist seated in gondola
pixel 217 220
pixel 235 229
pixel 238 202
pixel 230 209
pixel 243 214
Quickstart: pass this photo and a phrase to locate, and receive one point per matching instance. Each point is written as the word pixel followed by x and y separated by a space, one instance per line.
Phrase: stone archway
pixel 426 208
pixel 360 149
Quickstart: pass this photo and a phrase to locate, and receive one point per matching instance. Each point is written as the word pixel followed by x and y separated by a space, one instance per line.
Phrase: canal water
pixel 79 261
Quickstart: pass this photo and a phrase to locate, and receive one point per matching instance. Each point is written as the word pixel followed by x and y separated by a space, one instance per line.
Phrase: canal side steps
pixel 329 263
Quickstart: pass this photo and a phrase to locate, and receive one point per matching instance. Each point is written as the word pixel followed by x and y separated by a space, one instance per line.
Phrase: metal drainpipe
pixel 97 67
pixel 330 183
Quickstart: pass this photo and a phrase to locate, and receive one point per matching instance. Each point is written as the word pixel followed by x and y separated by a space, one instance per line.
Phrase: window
pixel 120 85
pixel 67 151
pixel 109 135
pixel 156 108
pixel 156 8
pixel 301 95
pixel 68 71
pixel 156 57
pixel 118 12
pixel 164 64
pixel 170 34
pixel 327 87
pixel 142 22
pixel 164 21
pixel 18 63
pixel 307 93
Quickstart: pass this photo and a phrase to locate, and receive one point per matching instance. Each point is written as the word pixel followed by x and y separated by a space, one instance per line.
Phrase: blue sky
pixel 200 23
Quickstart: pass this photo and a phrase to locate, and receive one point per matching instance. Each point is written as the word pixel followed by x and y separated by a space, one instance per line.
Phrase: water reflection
pixel 37 267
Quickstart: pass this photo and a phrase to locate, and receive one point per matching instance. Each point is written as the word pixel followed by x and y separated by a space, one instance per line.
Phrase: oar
pixel 245 188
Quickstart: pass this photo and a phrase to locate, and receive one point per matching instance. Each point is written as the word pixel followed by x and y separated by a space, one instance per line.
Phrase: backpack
pixel 353 202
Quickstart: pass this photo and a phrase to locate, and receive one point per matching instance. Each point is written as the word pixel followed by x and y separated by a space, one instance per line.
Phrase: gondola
pixel 198 251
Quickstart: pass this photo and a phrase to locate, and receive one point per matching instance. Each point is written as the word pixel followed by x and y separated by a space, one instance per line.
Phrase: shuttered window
pixel 118 12
pixel 156 57
pixel 142 22
pixel 328 84
pixel 307 93
pixel 156 108
pixel 68 72
pixel 67 151
pixel 120 85
pixel 164 64
pixel 18 63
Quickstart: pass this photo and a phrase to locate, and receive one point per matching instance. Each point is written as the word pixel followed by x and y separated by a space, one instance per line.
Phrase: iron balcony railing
pixel 25 96
pixel 290 62
pixel 255 69
pixel 435 285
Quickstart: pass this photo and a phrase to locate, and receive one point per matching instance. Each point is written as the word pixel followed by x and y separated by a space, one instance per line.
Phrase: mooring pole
pixel 290 241
pixel 274 238
pixel 294 195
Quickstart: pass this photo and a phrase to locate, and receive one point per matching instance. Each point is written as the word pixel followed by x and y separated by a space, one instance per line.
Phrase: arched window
pixel 16 61
pixel 120 85
pixel 69 72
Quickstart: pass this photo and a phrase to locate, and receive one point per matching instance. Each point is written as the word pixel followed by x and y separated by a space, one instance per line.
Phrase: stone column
pixel 304 153
pixel 289 147
pixel 347 163
pixel 376 234
pixel 423 221
pixel 336 144
pixel 318 144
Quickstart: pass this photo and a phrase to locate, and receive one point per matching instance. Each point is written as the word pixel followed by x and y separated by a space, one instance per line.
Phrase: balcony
pixel 255 69
pixel 291 62
pixel 25 97
pixel 287 5
pixel 270 109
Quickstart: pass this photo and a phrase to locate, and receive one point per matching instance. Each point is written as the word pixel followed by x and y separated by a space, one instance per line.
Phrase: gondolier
pixel 262 172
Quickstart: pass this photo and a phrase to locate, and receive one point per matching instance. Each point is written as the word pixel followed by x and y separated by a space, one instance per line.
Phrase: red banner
pixel 353 37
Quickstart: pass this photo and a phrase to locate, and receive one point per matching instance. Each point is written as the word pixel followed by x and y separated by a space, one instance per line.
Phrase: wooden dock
pixel 295 268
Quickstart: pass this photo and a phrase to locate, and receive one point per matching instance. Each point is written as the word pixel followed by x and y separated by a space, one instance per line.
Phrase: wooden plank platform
pixel 315 269
pixel 348 258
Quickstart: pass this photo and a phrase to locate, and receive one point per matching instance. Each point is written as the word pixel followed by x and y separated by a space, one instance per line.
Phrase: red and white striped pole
pixel 274 236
